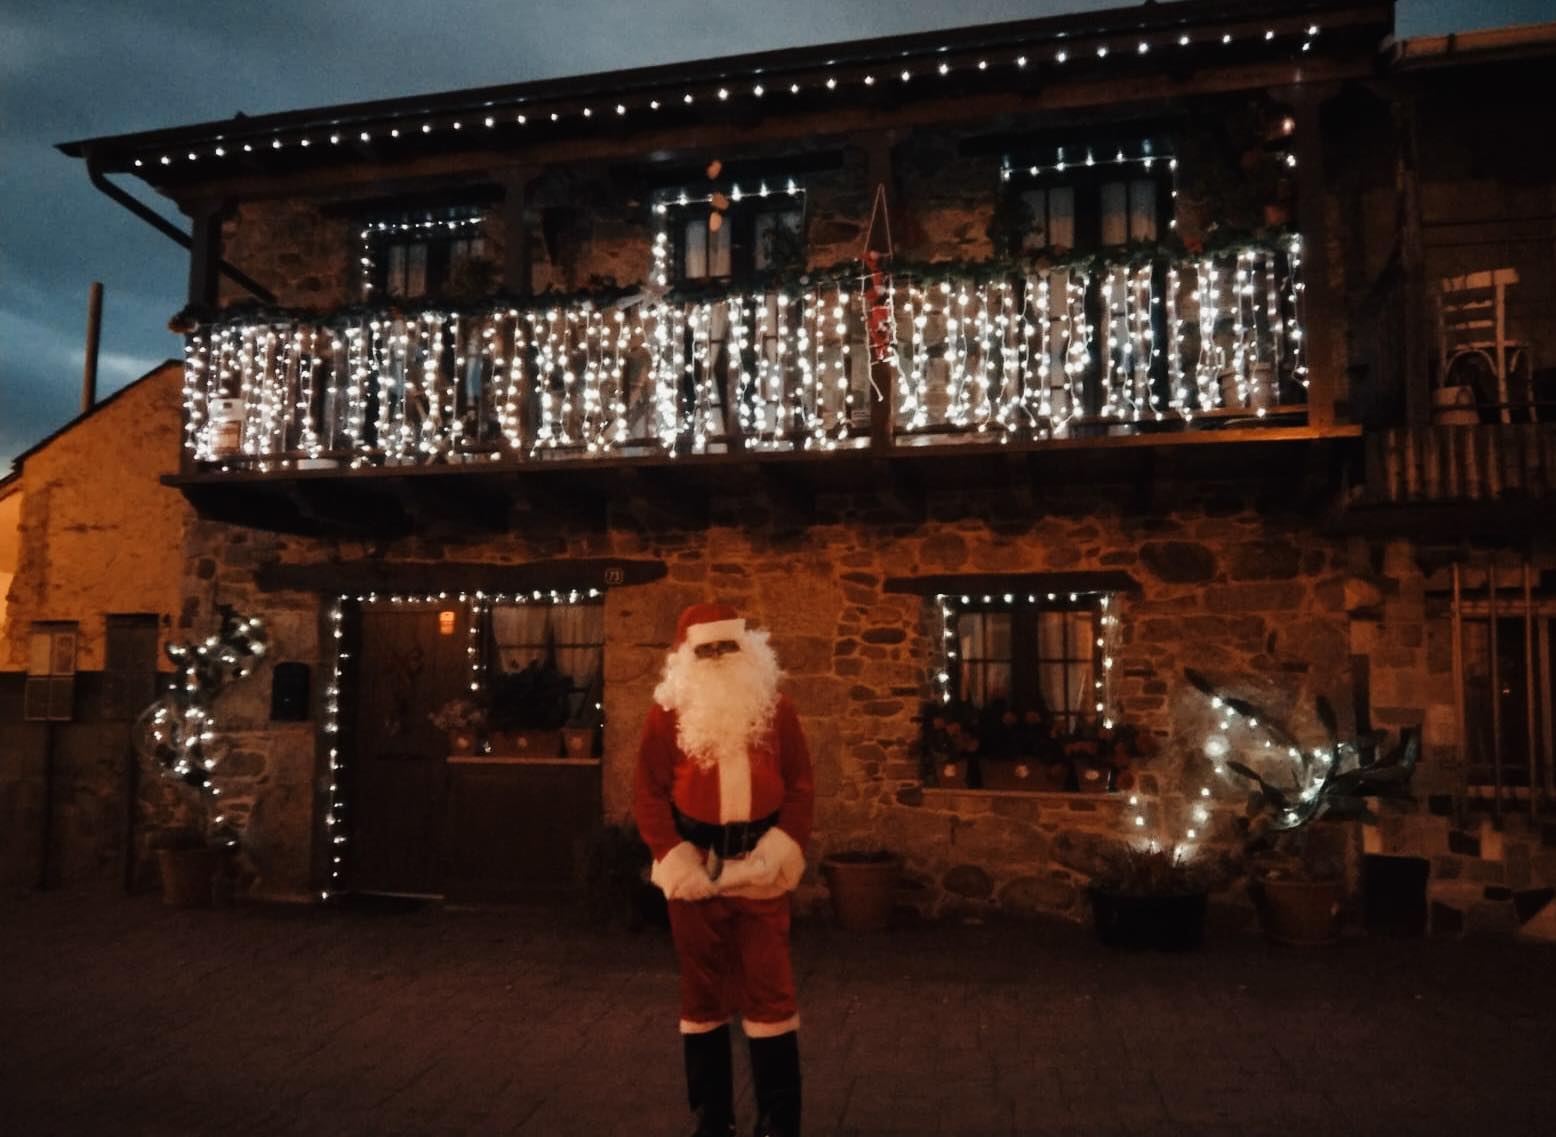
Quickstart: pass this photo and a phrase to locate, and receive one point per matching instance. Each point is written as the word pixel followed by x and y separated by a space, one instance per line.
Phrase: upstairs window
pixel 1090 203
pixel 734 235
pixel 424 253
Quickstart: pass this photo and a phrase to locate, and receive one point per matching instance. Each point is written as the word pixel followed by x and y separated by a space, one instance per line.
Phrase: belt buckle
pixel 734 834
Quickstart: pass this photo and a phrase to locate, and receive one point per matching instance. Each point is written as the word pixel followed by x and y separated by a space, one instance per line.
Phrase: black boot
pixel 710 1082
pixel 775 1067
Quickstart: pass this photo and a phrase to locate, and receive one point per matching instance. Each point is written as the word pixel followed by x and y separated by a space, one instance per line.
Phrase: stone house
pixel 1001 370
pixel 97 579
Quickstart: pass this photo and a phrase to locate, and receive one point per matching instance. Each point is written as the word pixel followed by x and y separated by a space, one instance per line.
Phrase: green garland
pixel 605 292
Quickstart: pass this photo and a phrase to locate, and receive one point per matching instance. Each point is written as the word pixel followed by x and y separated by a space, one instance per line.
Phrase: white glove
pixel 682 875
pixel 754 871
pixel 696 886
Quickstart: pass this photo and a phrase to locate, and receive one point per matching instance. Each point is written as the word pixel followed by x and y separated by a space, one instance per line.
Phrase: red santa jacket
pixel 775 778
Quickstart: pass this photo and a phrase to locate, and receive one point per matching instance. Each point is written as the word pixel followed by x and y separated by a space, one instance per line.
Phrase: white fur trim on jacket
pixel 715 630
pixel 676 867
pixel 786 864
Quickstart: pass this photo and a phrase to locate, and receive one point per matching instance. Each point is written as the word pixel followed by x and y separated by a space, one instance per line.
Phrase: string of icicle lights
pixel 1114 52
pixel 476 605
pixel 1032 355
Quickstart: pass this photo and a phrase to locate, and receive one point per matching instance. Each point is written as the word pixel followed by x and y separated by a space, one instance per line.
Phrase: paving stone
pixel 249 1021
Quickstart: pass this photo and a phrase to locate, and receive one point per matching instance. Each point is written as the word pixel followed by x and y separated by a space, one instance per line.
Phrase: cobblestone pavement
pixel 118 1016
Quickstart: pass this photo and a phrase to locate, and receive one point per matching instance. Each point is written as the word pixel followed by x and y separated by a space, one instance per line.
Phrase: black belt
pixel 735 839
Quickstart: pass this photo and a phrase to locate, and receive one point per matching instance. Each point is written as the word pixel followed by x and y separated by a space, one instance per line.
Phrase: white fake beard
pixel 721 705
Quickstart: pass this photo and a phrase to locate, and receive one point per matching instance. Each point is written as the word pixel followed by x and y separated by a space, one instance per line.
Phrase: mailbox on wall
pixel 50 694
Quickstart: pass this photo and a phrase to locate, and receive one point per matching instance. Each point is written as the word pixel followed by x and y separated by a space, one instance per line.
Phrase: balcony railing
pixel 1460 464
pixel 893 361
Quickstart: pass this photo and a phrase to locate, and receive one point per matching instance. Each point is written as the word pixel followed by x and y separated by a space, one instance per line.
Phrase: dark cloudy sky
pixel 78 68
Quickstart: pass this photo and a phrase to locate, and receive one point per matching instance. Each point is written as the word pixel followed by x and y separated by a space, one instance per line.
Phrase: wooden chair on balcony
pixel 1472 337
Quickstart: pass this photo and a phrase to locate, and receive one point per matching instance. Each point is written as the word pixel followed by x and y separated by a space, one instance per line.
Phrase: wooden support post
pixel 517 274
pixel 1458 691
pixel 1412 264
pixel 205 253
pixel 1496 691
pixel 1323 323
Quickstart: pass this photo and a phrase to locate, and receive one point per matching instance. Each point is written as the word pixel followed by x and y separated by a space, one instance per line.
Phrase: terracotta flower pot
pixel 187 876
pixel 862 888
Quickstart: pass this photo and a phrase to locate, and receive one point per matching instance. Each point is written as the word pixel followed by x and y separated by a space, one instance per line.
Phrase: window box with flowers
pixel 1024 698
pixel 961 747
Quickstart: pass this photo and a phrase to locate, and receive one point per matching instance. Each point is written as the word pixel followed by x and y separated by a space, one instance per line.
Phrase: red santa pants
pixel 734 956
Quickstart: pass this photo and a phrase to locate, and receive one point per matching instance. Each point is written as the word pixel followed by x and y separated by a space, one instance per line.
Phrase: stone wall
pixel 1255 598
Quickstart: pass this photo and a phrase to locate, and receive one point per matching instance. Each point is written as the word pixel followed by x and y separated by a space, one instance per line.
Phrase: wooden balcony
pixel 842 383
pixel 1488 481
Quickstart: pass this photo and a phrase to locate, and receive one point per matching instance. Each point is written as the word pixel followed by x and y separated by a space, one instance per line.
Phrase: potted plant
pixel 464 721
pixel 531 706
pixel 187 862
pixel 583 725
pixel 946 743
pixel 1153 897
pixel 862 886
pixel 1297 856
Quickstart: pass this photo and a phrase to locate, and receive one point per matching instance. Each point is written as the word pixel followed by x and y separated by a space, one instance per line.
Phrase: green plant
pixel 1334 781
pixel 1150 870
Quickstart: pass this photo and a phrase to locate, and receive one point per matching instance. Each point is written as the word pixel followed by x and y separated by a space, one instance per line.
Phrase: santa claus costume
pixel 724 800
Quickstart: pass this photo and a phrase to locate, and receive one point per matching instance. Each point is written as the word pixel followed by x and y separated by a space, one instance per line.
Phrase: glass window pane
pixel 1051 686
pixel 1061 217
pixel 395 276
pixel 1115 213
pixel 999 646
pixel 718 250
pixel 416 270
pixel 1037 237
pixel 1050 635
pixel 1142 210
pixel 1083 635
pixel 40 655
pixel 766 225
pixel 970 632
pixel 696 249
pixel 996 683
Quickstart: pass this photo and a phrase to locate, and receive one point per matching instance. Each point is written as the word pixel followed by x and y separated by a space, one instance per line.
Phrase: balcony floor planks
pixel 394 499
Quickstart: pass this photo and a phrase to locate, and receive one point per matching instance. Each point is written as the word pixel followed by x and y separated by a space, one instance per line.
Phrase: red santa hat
pixel 704 623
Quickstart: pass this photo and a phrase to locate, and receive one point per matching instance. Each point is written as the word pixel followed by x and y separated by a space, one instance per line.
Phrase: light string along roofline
pixel 477 603
pixel 928 65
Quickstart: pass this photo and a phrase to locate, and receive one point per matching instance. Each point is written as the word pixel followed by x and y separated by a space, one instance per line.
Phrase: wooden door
pixel 410 662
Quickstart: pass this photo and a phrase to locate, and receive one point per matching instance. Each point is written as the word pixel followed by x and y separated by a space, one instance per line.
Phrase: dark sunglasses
pixel 715 648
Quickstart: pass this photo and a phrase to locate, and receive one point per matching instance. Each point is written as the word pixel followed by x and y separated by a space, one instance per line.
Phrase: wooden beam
pixel 517 273
pixel 804 127
pixel 897 488
pixel 205 254
pixel 1028 583
pixel 347 507
pixel 421 577
pixel 1412 262
pixel 435 504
